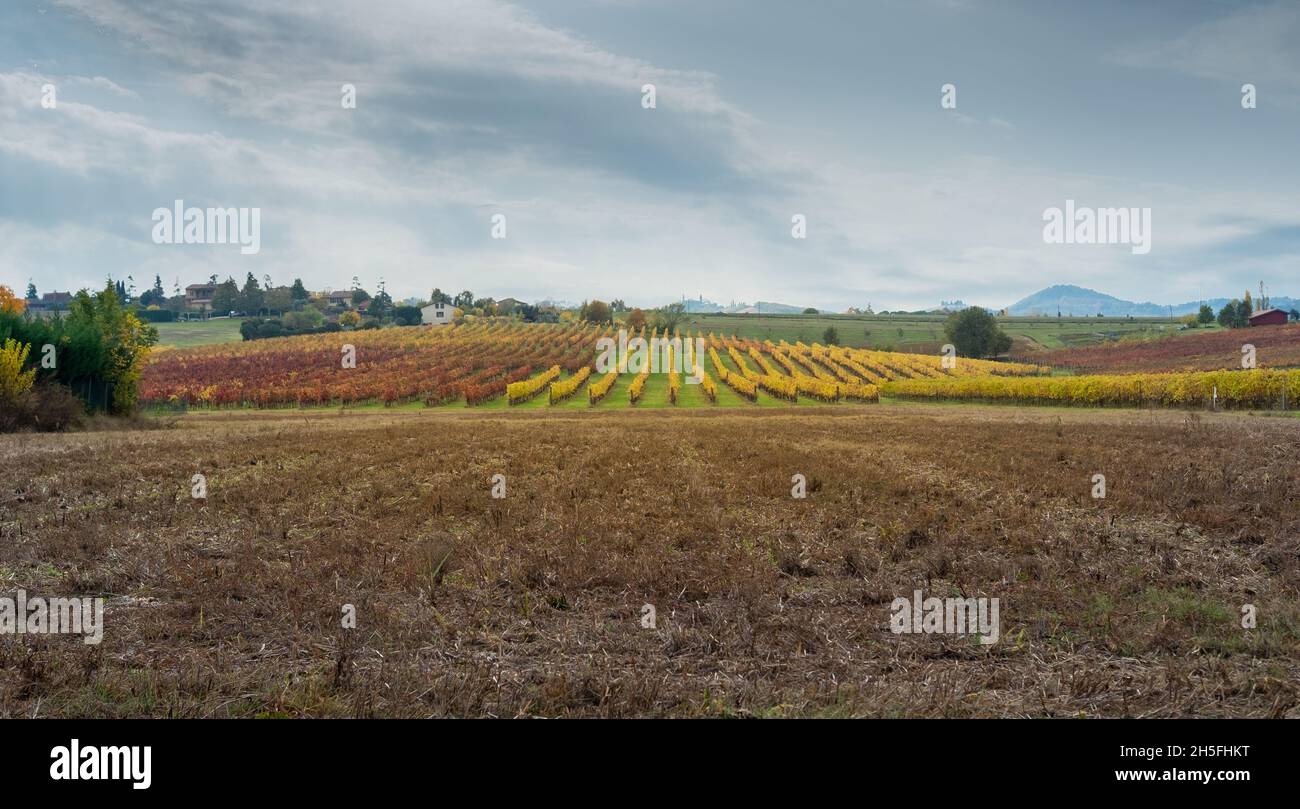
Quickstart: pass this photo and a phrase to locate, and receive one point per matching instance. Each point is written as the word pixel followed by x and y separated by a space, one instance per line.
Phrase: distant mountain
pixel 769 308
pixel 1069 299
pixel 701 305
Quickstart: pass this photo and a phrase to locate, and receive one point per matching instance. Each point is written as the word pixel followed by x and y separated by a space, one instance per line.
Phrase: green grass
pixel 617 396
pixel 199 332
pixel 923 332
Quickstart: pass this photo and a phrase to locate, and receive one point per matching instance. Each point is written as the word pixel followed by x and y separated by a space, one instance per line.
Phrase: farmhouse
pixel 52 302
pixel 437 314
pixel 340 299
pixel 507 305
pixel 1268 317
pixel 200 294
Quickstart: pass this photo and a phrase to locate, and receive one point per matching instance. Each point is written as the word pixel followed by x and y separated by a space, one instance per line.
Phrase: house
pixel 507 305
pixel 51 302
pixel 437 314
pixel 340 299
pixel 200 295
pixel 1268 317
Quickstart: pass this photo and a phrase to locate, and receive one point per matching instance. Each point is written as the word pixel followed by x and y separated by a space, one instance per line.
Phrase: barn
pixel 437 314
pixel 1268 317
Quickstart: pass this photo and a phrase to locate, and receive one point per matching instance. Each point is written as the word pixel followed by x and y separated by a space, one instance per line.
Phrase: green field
pixel 924 333
pixel 199 332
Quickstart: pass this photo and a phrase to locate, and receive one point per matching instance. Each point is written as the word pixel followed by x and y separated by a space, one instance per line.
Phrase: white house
pixel 437 314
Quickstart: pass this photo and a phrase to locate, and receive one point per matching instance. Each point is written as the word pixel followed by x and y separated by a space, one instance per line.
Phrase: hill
pixel 1069 299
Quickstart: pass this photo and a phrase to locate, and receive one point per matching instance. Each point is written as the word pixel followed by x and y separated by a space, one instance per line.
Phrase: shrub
pixel 14 381
pixel 52 408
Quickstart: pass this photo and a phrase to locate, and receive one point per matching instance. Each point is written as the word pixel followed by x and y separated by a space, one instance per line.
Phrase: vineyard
pixel 1275 347
pixel 1256 389
pixel 532 364
pixel 467 364
pixel 511 364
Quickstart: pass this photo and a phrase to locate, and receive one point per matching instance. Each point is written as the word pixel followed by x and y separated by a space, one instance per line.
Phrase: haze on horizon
pixel 534 110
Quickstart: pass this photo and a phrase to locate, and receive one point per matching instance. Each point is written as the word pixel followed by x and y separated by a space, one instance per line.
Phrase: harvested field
pixel 765 604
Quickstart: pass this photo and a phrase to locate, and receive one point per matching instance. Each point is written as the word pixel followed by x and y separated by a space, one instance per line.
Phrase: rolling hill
pixel 1069 299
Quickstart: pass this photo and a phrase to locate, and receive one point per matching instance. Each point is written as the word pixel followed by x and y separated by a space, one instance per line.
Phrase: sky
pixel 535 111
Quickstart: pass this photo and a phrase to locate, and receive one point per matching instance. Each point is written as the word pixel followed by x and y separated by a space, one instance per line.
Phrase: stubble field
pixel 765 605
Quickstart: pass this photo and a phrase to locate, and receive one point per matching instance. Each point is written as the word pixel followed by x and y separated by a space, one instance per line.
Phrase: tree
pixel 667 317
pixel 407 315
pixel 279 299
pixel 251 298
pixel 31 291
pixel 617 305
pixel 359 296
pixel 464 300
pixel 299 291
pixel 155 295
pixel 349 318
pixel 1294 315
pixel 596 312
pixel 831 337
pixel 9 302
pixel 486 305
pixel 636 320
pixel 438 296
pixel 1250 306
pixel 974 332
pixel 810 311
pixel 126 338
pixel 380 305
pixel 1235 314
pixel 1205 315
pixel 226 297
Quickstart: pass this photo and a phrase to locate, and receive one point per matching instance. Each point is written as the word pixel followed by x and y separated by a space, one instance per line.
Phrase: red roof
pixel 1268 317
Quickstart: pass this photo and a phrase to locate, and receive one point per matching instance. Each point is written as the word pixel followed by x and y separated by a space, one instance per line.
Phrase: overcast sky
pixel 763 110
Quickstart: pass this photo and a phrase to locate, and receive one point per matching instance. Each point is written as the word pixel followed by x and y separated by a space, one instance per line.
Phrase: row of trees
pixel 254 298
pixel 96 352
pixel 666 318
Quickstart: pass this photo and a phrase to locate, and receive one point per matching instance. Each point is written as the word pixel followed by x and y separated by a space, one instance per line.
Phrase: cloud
pixel 1255 44
pixel 101 83
pixel 465 109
